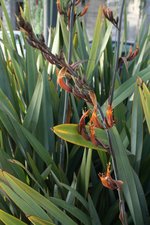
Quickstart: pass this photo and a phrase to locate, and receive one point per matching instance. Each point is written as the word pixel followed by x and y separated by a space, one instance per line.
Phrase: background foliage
pixel 34 184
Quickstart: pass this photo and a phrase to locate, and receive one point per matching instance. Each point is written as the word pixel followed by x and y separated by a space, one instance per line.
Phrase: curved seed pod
pixel 61 82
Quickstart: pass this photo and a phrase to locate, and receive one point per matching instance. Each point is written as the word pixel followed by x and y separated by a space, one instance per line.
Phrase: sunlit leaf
pixel 69 132
pixel 145 99
pixel 38 221
pixel 8 219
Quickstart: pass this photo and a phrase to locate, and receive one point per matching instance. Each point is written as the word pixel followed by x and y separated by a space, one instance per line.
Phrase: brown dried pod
pixel 61 82
pixel 108 181
pixel 131 56
pixel 85 9
pixel 108 13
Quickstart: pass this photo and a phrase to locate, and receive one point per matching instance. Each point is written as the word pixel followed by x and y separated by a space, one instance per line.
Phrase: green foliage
pixel 33 187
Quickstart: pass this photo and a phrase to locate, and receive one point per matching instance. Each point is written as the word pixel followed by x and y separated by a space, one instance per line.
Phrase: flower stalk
pixel 122 215
pixel 111 93
pixel 71 22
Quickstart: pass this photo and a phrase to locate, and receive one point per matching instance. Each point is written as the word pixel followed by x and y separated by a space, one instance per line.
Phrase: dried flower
pixel 93 123
pixel 82 120
pixel 60 80
pixel 108 13
pixel 94 120
pixel 108 181
pixel 131 55
pixel 81 128
pixel 109 119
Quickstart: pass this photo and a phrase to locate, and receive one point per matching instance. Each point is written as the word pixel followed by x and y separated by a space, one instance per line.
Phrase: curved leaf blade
pixel 43 202
pixel 132 188
pixel 81 216
pixel 31 118
pixel 137 130
pixel 127 88
pixel 38 221
pixel 145 99
pixel 69 132
pixel 8 219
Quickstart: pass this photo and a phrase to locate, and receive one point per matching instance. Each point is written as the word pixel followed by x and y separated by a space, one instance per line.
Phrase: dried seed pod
pixel 61 82
pixel 108 181
pixel 81 127
pixel 24 25
pixel 131 55
pixel 82 120
pixel 108 13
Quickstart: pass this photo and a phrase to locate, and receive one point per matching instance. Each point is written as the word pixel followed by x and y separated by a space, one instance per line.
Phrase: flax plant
pixel 96 101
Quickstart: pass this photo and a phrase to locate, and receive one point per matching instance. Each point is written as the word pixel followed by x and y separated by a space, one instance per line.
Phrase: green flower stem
pixel 110 99
pixel 62 146
pixel 111 93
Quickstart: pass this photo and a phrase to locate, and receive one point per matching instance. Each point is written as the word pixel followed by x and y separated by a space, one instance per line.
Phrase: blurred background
pixel 43 14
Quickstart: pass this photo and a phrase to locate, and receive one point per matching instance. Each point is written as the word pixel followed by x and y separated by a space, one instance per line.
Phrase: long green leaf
pixel 32 116
pixel 7 107
pixel 132 188
pixel 76 194
pixel 16 192
pixel 65 34
pixel 31 69
pixel 141 55
pixel 96 44
pixel 38 147
pixel 8 23
pixel 127 88
pixel 38 221
pixel 137 130
pixel 145 99
pixel 19 133
pixel 93 214
pixel 54 211
pixel 84 218
pixel 69 132
pixel 8 219
pixel 56 44
pixel 4 78
pixel 46 117
pixel 88 170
